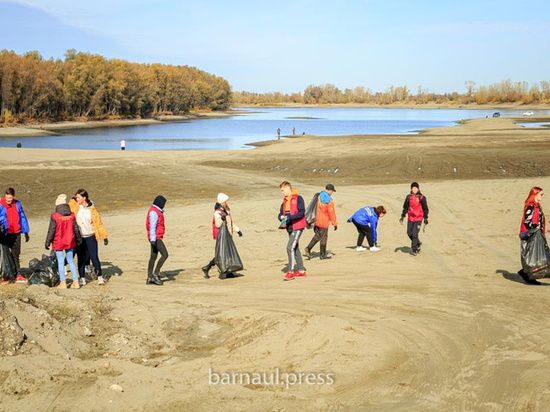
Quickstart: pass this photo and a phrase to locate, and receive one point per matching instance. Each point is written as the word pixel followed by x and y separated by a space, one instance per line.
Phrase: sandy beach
pixel 453 328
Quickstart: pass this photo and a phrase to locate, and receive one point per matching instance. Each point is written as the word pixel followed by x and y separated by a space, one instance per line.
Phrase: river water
pixel 255 125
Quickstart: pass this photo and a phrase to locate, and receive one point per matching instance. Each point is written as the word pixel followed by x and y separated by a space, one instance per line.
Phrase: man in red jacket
pixel 324 216
pixel 416 207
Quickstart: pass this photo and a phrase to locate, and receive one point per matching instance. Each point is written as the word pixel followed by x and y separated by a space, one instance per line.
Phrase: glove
pixel 223 217
pixel 105 242
pixel 335 227
pixel 240 233
pixel 401 220
pixel 425 221
pixel 26 237
pixel 46 247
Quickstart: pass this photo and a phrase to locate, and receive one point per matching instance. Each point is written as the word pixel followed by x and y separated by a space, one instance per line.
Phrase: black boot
pixel 324 253
pixel 154 280
pixel 526 279
pixel 307 252
pixel 205 270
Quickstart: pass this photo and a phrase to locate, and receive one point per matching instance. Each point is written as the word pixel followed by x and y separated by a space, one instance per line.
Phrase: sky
pixel 286 45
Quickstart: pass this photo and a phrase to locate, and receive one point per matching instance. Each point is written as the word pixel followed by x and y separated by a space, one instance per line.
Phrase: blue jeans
pixel 61 264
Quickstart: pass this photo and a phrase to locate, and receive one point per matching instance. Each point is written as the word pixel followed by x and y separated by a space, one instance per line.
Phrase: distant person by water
pixel 123 144
pixel 19 144
pixel 293 130
pixel 279 133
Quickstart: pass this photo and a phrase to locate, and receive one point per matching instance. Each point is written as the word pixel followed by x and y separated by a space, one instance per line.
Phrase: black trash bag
pixel 45 271
pixel 7 265
pixel 311 211
pixel 535 255
pixel 227 258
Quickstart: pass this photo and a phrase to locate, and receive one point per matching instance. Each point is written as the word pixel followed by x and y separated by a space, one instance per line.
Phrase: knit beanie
pixel 61 200
pixel 414 184
pixel 222 197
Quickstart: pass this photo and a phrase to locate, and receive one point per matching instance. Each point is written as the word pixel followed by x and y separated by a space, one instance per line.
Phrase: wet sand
pixel 451 329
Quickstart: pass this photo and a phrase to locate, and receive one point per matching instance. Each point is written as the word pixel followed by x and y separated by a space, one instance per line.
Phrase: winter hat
pixel 414 184
pixel 61 200
pixel 222 197
pixel 159 201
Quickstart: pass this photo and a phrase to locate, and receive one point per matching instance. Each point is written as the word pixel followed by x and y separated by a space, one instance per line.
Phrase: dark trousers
pixel 364 232
pixel 88 247
pixel 319 235
pixel 155 249
pixel 13 242
pixel 413 228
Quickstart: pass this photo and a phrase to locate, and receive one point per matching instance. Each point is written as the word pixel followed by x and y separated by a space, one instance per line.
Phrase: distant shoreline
pixel 56 128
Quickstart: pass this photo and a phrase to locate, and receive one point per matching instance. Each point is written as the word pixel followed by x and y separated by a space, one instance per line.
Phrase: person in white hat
pixel 221 214
pixel 63 235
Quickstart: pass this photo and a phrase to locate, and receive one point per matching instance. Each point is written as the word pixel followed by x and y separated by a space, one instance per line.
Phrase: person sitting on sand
pixel 292 215
pixel 324 216
pixel 416 206
pixel 92 230
pixel 533 218
pixel 155 233
pixel 366 222
pixel 63 235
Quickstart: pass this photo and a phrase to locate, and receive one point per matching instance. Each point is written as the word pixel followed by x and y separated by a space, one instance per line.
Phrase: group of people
pixel 74 226
pixel 292 215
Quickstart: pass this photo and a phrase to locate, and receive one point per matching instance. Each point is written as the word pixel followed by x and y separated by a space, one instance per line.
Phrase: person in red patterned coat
pixel 155 233
pixel 63 235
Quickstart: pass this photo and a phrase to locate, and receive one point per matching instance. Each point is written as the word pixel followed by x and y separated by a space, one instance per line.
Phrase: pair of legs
pixel 319 235
pixel 210 265
pixel 413 228
pixel 69 254
pixel 153 276
pixel 295 262
pixel 13 242
pixel 88 246
pixel 364 231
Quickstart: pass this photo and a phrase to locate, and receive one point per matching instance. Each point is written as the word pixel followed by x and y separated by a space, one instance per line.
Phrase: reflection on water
pixel 233 133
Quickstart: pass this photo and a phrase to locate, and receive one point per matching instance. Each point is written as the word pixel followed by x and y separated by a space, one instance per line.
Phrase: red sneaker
pixel 21 279
pixel 5 281
pixel 289 275
pixel 300 274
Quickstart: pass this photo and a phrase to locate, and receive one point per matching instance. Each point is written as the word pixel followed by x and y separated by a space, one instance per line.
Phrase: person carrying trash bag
pixel 63 235
pixel 534 248
pixel 325 214
pixel 154 224
pixel 226 257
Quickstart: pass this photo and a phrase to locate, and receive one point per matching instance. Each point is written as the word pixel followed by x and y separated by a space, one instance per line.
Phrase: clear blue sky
pixel 264 46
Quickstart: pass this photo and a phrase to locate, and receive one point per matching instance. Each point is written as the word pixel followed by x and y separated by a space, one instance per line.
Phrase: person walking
pixel 222 213
pixel 416 207
pixel 366 222
pixel 63 235
pixel 155 233
pixel 279 133
pixel 17 224
pixel 7 266
pixel 293 219
pixel 533 218
pixel 324 216
pixel 92 231
pixel 123 144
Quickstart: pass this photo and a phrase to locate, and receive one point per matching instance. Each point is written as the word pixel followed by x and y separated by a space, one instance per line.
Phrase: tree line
pixel 504 92
pixel 91 86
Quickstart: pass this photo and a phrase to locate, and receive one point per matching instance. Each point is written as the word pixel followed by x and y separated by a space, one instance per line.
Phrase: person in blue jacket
pixel 366 222
pixel 17 225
